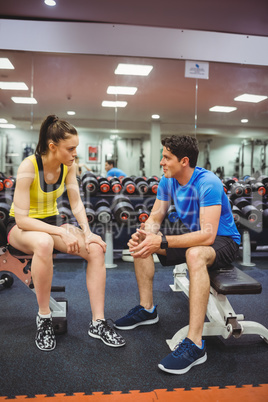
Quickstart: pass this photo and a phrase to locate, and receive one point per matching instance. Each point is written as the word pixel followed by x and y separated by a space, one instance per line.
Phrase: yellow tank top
pixel 43 203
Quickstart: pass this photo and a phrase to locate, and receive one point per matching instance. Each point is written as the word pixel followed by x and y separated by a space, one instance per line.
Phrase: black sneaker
pixel 106 333
pixel 184 357
pixel 137 316
pixel 45 338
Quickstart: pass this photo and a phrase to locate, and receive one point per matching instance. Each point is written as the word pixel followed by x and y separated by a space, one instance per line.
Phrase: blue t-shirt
pixel 115 172
pixel 204 189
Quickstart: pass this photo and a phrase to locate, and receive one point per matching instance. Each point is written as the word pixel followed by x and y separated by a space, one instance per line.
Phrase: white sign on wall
pixel 196 69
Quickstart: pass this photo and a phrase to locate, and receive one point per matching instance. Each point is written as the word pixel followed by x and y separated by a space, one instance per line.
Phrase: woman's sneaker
pixel 106 333
pixel 184 357
pixel 137 316
pixel 45 338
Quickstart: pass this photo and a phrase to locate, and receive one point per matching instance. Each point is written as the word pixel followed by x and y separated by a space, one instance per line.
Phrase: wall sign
pixel 196 69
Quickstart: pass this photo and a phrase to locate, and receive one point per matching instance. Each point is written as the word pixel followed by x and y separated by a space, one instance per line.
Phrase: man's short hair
pixel 110 162
pixel 182 146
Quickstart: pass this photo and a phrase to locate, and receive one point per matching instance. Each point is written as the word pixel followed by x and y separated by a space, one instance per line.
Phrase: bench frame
pixel 223 321
pixel 20 265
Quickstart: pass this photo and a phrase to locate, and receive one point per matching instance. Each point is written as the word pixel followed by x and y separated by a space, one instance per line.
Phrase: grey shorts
pixel 226 252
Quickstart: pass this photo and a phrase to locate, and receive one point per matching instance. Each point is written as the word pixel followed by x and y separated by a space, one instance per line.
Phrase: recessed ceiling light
pixel 250 98
pixel 3 121
pixel 50 3
pixel 133 69
pixel 6 64
pixel 222 109
pixel 18 99
pixel 114 104
pixel 155 116
pixel 121 90
pixel 13 85
pixel 244 120
pixel 6 125
pixel 71 113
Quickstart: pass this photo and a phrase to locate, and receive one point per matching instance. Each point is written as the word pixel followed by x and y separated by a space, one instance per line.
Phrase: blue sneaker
pixel 184 357
pixel 137 316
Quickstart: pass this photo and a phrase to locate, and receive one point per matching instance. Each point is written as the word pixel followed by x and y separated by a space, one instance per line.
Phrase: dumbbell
pixel 64 209
pixel 236 190
pixel 10 182
pixel 103 211
pixel 2 185
pixel 142 185
pixel 115 184
pixel 172 214
pixel 258 187
pixel 142 213
pixel 237 214
pixel 129 187
pixel 4 211
pixel 90 184
pixel 225 188
pixel 6 280
pixel 228 181
pixel 104 185
pixel 260 205
pixel 249 180
pixel 90 213
pixel 252 214
pixel 263 179
pixel 152 185
pixel 122 209
pixel 241 202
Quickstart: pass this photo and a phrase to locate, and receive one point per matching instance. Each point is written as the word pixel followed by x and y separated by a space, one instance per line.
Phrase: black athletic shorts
pixel 55 220
pixel 226 252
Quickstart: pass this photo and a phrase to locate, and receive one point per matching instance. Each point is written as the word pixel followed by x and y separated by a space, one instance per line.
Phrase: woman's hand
pixel 71 242
pixel 93 238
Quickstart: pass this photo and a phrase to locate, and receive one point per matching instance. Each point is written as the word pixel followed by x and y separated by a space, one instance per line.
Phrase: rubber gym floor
pixel 84 369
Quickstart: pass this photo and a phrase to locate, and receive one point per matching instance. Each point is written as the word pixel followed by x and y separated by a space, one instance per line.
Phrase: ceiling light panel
pixel 222 109
pixel 250 98
pixel 6 64
pixel 114 104
pixel 121 90
pixel 3 121
pixel 24 100
pixel 21 86
pixel 6 125
pixel 133 69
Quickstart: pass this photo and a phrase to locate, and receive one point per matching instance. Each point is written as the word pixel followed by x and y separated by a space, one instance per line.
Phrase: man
pixel 113 171
pixel 212 242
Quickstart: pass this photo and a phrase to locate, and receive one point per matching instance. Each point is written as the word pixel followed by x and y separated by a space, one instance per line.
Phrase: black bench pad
pixel 232 281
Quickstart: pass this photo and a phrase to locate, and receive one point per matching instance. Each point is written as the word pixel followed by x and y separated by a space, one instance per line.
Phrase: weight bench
pixel 223 321
pixel 19 264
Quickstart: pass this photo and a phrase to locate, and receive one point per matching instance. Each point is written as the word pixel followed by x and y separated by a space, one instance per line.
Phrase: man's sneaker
pixel 137 316
pixel 184 357
pixel 45 337
pixel 106 333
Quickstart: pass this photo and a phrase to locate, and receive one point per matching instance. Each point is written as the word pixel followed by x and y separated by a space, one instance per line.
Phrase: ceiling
pixel 79 82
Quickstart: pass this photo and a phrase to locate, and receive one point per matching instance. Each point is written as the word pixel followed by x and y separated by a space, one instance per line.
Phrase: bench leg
pixel 21 269
pixel 223 319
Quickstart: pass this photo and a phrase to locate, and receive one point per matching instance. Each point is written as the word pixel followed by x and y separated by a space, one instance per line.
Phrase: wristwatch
pixel 164 243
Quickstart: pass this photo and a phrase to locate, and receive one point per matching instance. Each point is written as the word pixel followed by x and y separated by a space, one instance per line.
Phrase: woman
pixel 35 227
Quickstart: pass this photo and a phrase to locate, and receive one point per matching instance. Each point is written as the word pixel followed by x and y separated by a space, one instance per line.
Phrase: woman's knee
pixel 44 245
pixel 95 251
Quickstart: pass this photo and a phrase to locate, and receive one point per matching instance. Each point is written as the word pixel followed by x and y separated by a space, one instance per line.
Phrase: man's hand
pixel 143 244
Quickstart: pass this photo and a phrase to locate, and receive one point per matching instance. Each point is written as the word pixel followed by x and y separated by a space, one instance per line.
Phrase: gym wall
pixel 223 151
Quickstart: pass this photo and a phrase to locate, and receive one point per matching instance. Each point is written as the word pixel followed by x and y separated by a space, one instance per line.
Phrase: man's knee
pixel 199 256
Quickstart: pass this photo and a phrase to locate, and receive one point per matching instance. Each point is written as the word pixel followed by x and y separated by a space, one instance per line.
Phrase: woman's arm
pixel 78 209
